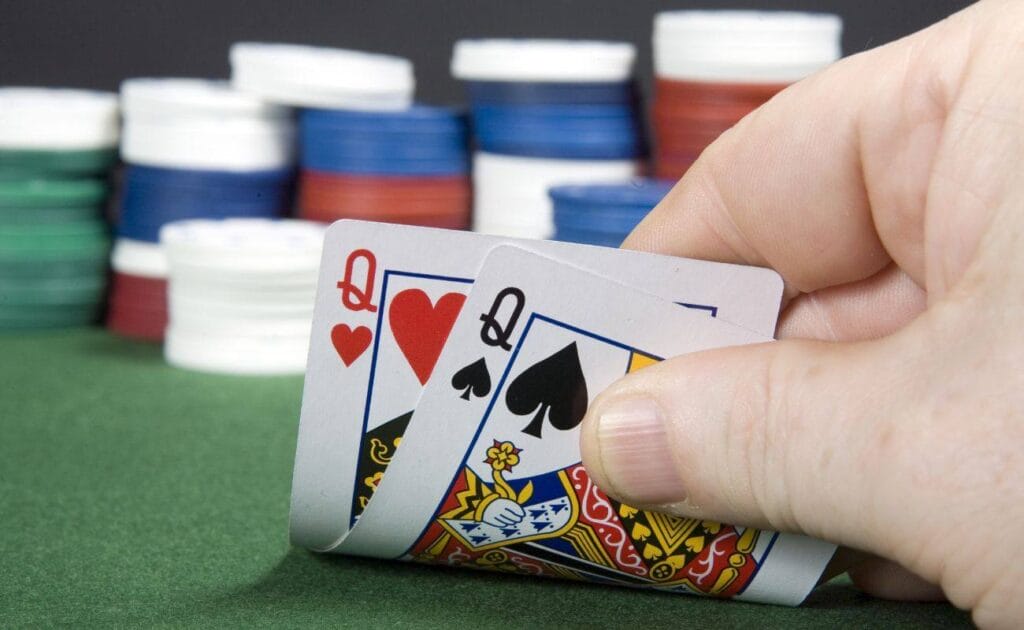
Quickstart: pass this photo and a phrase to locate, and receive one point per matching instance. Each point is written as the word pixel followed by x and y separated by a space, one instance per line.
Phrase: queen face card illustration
pixel 492 478
pixel 387 298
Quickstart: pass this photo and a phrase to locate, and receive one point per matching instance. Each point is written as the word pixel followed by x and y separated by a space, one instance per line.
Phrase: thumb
pixel 790 436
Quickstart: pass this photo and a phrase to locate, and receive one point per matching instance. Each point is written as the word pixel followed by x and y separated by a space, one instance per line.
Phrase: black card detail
pixel 473 379
pixel 553 388
pixel 379 446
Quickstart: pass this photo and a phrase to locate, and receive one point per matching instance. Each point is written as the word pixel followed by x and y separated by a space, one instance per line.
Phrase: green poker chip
pixel 25 317
pixel 53 239
pixel 24 194
pixel 34 269
pixel 25 163
pixel 88 291
pixel 68 214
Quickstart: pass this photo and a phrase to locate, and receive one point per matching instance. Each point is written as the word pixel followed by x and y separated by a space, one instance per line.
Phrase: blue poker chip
pixel 383 157
pixel 559 131
pixel 587 237
pixel 154 196
pixel 613 209
pixel 527 93
pixel 420 141
pixel 417 119
pixel 620 144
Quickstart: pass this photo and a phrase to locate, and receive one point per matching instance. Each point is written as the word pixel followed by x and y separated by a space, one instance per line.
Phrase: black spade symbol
pixel 474 379
pixel 553 388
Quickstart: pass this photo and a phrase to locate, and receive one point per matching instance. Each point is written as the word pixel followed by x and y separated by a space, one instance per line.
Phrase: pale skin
pixel 888 191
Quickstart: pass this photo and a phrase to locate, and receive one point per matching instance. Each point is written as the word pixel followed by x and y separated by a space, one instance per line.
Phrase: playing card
pixel 489 473
pixel 387 298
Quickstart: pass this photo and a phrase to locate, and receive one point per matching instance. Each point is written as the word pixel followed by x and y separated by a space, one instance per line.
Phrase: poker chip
pixel 52 274
pixel 201 124
pixel 511 193
pixel 542 60
pixel 604 214
pixel 33 316
pixel 83 290
pixel 26 164
pixel 49 119
pixel 401 167
pixel 57 237
pixel 308 76
pixel 153 197
pixel 137 306
pixel 559 131
pixel 712 68
pixel 240 294
pixel 549 93
pixel 744 46
pixel 45 202
pixel 138 258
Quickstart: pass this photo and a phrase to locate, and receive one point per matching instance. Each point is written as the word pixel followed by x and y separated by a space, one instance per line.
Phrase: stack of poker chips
pixel 241 294
pixel 407 166
pixel 194 149
pixel 365 151
pixel 56 147
pixel 712 68
pixel 604 214
pixel 545 112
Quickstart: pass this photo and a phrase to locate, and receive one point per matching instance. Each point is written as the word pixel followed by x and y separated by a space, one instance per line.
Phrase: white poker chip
pixel 255 245
pixel 138 258
pixel 226 353
pixel 51 119
pixel 542 60
pixel 184 303
pixel 241 294
pixel 744 46
pixel 187 98
pixel 309 76
pixel 197 323
pixel 510 193
pixel 203 124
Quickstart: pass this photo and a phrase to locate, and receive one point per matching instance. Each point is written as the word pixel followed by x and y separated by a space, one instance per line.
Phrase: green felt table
pixel 136 494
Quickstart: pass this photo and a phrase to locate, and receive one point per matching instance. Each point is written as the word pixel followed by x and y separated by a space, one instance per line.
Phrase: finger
pixel 888 580
pixel 869 309
pixel 826 183
pixel 782 435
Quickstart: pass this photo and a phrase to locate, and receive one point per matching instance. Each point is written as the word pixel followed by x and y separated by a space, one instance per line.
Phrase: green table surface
pixel 136 494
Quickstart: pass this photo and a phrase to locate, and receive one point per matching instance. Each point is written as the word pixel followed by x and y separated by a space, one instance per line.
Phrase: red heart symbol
pixel 349 343
pixel 421 328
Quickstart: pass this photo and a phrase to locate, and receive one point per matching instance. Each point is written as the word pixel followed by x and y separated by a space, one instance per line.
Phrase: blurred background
pixel 98 43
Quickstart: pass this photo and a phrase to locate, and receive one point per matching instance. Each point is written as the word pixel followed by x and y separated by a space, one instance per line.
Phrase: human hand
pixel 888 191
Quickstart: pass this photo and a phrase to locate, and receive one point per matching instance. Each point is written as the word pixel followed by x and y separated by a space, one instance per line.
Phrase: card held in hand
pixel 489 473
pixel 386 301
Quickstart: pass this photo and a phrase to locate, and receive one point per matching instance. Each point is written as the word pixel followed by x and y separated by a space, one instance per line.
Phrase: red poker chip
pixel 440 201
pixel 397 187
pixel 672 167
pixel 671 127
pixel 137 307
pixel 682 139
pixel 701 114
pixel 715 93
pixel 451 220
pixel 312 205
pixel 137 323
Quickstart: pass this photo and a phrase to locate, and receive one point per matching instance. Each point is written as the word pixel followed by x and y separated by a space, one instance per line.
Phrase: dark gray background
pixel 97 43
